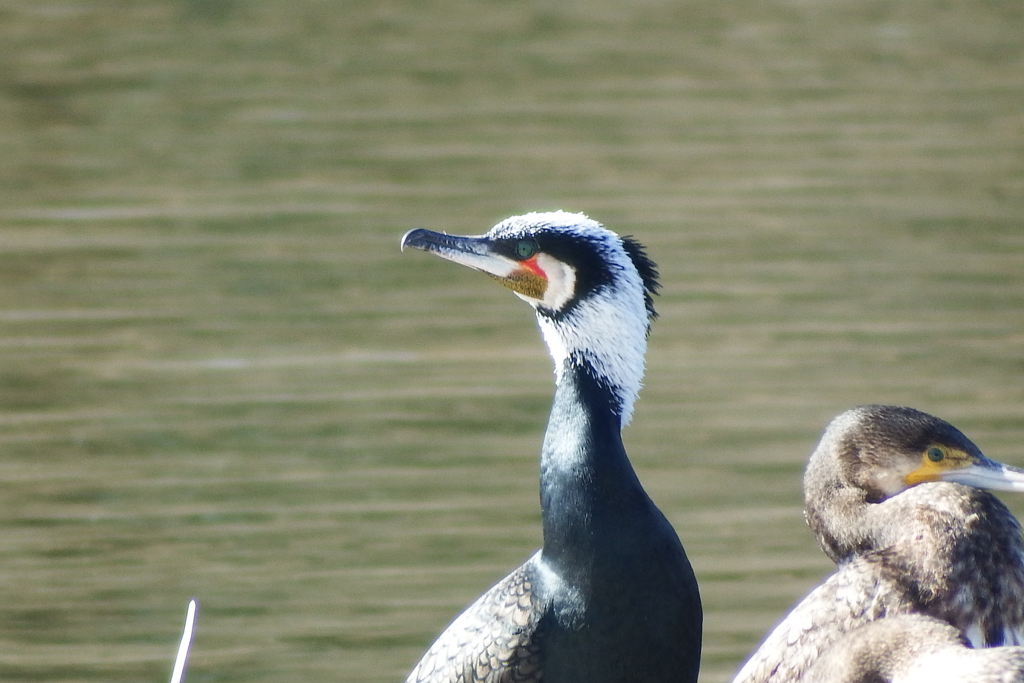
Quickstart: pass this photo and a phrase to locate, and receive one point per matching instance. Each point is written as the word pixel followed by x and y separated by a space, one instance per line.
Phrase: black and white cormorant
pixel 913 648
pixel 880 496
pixel 611 597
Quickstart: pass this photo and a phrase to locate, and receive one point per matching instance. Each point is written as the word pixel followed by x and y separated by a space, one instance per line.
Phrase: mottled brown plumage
pixel 937 568
pixel 914 648
pixel 940 549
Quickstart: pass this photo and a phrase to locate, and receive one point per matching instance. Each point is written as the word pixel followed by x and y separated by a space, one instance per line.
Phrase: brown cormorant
pixel 880 496
pixel 610 597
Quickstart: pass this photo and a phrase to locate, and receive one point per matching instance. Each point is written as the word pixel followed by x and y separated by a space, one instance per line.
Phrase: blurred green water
pixel 219 377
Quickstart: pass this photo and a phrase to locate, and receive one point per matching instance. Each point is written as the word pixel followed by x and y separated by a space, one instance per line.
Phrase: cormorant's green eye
pixel 935 454
pixel 525 249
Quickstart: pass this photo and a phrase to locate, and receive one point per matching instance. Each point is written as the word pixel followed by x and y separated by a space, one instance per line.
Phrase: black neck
pixel 588 487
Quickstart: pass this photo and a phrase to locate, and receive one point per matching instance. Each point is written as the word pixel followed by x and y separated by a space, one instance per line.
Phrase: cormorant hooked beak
pixel 977 471
pixel 516 268
pixel 990 475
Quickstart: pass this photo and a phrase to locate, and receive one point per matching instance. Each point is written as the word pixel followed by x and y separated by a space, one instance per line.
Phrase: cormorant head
pixel 886 449
pixel 592 289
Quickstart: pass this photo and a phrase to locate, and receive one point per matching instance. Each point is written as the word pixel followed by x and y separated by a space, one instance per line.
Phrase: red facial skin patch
pixel 531 265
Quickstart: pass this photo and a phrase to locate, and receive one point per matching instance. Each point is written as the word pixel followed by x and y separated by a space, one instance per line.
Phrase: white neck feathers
pixel 609 335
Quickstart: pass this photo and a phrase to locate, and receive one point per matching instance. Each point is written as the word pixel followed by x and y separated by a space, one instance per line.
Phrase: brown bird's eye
pixel 935 454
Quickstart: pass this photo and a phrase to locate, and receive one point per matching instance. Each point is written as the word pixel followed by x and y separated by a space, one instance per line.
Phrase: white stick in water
pixel 186 642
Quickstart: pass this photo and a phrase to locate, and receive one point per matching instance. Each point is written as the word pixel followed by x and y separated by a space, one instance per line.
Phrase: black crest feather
pixel 648 270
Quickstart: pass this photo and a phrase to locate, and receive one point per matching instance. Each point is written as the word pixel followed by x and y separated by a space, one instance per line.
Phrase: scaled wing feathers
pixel 496 640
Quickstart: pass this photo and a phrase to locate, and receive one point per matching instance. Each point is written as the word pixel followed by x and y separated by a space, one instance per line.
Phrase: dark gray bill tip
pixel 417 238
pixel 444 244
